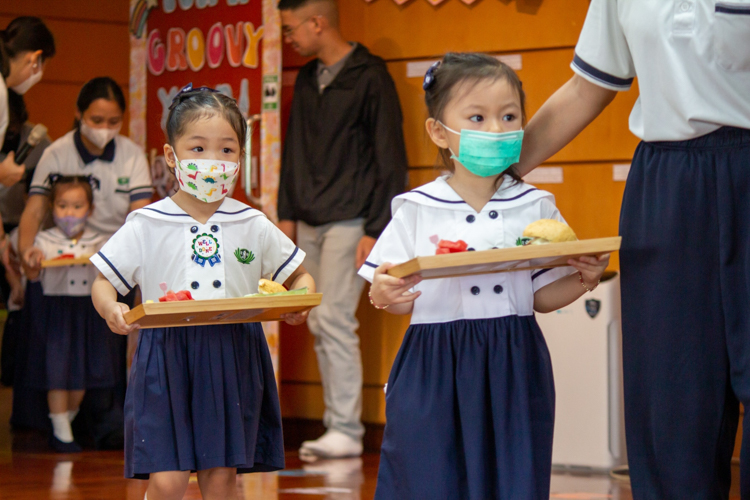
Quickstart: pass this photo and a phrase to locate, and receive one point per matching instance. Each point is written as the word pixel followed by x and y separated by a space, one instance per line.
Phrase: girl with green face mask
pixel 473 363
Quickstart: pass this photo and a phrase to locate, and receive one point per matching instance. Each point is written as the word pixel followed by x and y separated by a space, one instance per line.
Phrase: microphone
pixel 35 136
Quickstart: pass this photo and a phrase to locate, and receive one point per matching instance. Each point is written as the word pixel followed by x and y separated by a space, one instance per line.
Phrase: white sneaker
pixel 332 444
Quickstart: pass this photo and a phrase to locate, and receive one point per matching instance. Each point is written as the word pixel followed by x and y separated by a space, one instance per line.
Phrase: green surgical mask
pixel 487 154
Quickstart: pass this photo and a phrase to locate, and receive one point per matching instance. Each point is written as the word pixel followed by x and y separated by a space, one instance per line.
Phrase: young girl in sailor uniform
pixel 470 398
pixel 200 398
pixel 70 349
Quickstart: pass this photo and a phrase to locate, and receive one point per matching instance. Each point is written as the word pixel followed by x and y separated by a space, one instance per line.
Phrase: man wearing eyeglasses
pixel 344 161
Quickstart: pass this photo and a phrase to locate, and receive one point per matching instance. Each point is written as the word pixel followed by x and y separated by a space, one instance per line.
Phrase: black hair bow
pixel 187 92
pixel 88 179
pixel 429 77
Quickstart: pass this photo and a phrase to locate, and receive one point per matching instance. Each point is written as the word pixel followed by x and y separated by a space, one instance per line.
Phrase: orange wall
pixel 91 37
pixel 544 34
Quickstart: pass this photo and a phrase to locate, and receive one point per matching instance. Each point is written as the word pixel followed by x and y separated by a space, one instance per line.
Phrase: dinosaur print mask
pixel 207 180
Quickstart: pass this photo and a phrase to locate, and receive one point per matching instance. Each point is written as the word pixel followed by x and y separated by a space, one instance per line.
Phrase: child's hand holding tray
pixel 521 258
pixel 250 309
pixel 66 260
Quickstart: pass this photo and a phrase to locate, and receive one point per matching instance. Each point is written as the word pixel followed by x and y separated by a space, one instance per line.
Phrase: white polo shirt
pixel 68 280
pixel 223 258
pixel 436 209
pixel 691 58
pixel 121 171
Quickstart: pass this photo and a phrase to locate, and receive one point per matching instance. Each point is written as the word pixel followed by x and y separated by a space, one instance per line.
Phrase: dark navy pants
pixel 685 263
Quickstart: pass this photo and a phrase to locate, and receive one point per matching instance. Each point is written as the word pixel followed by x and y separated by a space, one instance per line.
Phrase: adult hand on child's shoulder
pixel 115 317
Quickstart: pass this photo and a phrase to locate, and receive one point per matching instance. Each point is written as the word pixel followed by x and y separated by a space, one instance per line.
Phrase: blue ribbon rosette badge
pixel 206 249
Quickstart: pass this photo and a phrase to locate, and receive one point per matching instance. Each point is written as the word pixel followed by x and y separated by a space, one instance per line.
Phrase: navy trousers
pixel 685 263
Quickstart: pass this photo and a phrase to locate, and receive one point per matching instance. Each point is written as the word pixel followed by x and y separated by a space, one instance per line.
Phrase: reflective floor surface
pixel 28 469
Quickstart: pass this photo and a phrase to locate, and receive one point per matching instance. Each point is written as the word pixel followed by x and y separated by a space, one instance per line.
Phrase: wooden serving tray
pixel 504 260
pixel 66 262
pixel 219 311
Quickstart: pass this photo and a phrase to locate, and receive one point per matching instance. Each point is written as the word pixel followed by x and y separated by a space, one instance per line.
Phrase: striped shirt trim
pixel 539 273
pixel 165 213
pixel 291 257
pixel 39 190
pixel 601 76
pixel 725 8
pixel 124 282
pixel 138 188
pixel 462 201
pixel 141 196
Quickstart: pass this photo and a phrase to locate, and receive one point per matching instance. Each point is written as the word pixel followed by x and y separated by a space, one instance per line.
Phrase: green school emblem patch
pixel 123 181
pixel 244 256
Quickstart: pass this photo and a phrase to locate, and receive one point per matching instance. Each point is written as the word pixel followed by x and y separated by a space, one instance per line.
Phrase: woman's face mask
pixel 207 180
pixel 487 154
pixel 31 80
pixel 100 137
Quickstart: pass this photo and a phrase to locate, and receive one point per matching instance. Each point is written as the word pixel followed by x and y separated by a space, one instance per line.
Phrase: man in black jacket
pixel 344 160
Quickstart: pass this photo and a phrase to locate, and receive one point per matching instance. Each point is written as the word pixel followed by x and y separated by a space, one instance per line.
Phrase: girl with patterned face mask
pixel 204 245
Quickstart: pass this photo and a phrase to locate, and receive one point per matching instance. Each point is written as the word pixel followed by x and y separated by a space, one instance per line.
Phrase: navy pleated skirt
pixel 469 413
pixel 201 397
pixel 70 345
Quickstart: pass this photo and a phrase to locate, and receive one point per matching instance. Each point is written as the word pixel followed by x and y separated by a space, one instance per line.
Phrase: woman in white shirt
pixel 94 147
pixel 685 254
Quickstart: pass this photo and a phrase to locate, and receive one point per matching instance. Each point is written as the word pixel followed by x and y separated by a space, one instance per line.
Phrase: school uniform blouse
pixel 69 280
pixel 121 176
pixel 225 257
pixel 436 209
pixel 691 57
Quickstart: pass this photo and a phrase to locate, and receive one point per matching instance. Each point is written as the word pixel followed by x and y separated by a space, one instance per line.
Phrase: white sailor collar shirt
pixel 68 280
pixel 223 258
pixel 435 209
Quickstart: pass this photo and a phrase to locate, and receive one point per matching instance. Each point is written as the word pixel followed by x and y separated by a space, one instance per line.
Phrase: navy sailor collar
pixel 107 155
pixel 439 194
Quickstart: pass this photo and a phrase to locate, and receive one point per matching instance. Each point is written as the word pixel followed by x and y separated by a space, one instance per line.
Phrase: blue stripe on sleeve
pixel 601 76
pixel 115 270
pixel 539 273
pixel 291 257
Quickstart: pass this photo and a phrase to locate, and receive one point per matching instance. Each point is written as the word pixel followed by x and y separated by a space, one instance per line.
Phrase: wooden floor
pixel 28 470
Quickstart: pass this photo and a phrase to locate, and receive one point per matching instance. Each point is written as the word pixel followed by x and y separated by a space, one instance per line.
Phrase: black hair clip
pixel 53 178
pixel 187 92
pixel 429 77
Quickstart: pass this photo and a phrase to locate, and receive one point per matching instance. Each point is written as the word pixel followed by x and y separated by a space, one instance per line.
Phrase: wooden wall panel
pixel 91 39
pixel 418 29
pixel 91 10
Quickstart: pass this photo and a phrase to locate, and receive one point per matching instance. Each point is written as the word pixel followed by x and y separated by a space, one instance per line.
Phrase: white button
pixel 684 6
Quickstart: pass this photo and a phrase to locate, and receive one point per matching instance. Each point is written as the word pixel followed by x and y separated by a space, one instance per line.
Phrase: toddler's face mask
pixel 207 180
pixel 487 154
pixel 70 225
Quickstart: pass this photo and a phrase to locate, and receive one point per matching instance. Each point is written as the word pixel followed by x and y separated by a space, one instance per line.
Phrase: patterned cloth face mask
pixel 207 180
pixel 487 153
pixel 70 225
